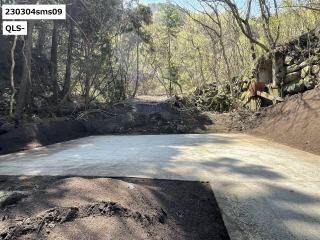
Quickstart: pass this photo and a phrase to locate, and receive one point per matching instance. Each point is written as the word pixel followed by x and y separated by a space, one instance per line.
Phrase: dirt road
pixel 265 190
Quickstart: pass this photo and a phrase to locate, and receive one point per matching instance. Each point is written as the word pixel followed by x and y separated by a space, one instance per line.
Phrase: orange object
pixel 257 86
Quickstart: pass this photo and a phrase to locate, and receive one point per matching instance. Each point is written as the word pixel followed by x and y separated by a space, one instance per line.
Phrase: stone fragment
pixel 292 77
pixel 315 69
pixel 295 87
pixel 311 60
pixel 293 68
pixel 305 71
pixel 288 60
pixel 304 64
pixel 310 82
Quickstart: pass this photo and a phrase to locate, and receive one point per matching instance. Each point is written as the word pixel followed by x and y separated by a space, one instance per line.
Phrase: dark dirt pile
pixel 163 117
pixel 232 122
pixel 295 122
pixel 33 135
pixel 124 118
pixel 104 208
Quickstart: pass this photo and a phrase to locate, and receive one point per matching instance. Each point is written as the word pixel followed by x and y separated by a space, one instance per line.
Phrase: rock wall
pixel 292 67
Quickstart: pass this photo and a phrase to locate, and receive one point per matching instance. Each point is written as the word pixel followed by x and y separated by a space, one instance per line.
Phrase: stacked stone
pixel 302 73
pixel 301 63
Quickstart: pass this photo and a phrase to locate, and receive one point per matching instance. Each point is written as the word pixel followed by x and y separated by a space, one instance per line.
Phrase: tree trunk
pixel 169 64
pixel 87 82
pixel 137 80
pixel 87 91
pixel 225 57
pixel 13 63
pixel 54 62
pixel 67 79
pixel 41 39
pixel 252 47
pixel 25 84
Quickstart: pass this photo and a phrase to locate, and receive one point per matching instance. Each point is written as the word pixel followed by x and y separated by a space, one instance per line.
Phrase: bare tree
pixel 67 79
pixel 13 88
pixel 266 15
pixel 54 61
pixel 241 19
pixel 25 85
pixel 215 32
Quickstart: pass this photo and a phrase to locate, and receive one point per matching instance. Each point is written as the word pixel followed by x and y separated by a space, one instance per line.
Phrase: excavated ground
pixel 104 208
pixel 294 122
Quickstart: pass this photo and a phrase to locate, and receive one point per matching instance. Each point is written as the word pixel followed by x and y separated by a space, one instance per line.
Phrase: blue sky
pixel 194 4
pixel 186 3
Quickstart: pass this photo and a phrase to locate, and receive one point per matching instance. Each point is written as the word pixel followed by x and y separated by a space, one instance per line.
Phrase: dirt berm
pixel 295 122
pixel 33 135
pixel 123 119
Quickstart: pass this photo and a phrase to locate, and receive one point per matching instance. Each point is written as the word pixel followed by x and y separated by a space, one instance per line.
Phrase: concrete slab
pixel 265 190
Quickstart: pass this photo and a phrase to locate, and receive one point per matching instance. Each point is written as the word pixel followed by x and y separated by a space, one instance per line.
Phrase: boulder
pixel 288 60
pixel 310 82
pixel 293 68
pixel 304 63
pixel 305 71
pixel 295 87
pixel 311 60
pixel 315 69
pixel 291 77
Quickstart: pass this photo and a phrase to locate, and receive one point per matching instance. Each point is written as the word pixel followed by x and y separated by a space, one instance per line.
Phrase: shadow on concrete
pixel 265 213
pixel 239 167
pixel 270 212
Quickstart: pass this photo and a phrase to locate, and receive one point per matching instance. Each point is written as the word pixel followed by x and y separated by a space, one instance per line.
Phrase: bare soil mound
pixel 295 122
pixel 107 208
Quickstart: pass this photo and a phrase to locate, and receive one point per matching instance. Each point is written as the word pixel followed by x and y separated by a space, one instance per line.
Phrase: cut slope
pixel 295 122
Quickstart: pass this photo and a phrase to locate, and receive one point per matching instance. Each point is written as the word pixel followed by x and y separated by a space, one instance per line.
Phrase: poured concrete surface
pixel 265 190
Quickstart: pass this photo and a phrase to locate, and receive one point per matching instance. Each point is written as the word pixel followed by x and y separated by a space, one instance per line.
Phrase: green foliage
pixel 177 53
pixel 171 18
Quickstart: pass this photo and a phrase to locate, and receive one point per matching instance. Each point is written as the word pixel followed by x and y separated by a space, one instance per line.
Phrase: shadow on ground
pixel 155 209
pixel 262 200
